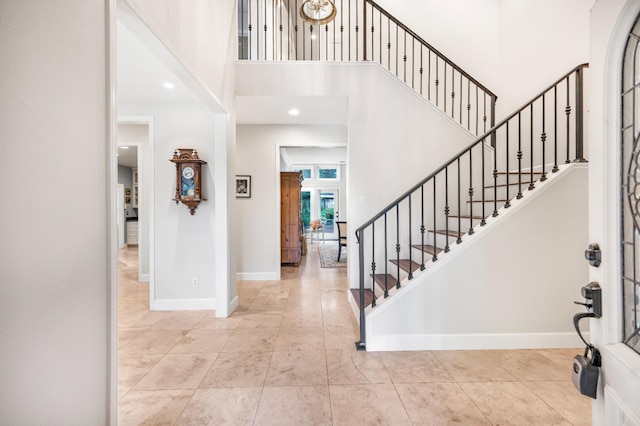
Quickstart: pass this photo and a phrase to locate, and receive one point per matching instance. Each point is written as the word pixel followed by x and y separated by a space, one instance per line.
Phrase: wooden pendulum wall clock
pixel 188 177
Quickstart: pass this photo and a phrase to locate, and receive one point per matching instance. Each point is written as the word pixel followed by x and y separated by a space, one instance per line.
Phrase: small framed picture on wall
pixel 243 186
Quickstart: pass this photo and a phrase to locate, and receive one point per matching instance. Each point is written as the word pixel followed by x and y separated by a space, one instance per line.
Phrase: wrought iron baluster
pixel 555 129
pixel 484 215
pixel 444 91
pixel 519 157
pixel 364 30
pixel 453 91
pixel 349 27
pixel 484 113
pixel 579 116
pixel 389 44
pixel 380 26
pixel 413 62
pixel 468 104
pixel 543 138
pixel 422 225
pixel 404 56
pixel 477 110
pixel 357 33
pixel 341 30
pixel 429 75
pixel 410 251
pixel 296 33
pixel 362 343
pixel 398 244
pixel 265 30
pixel 249 27
pixel 421 70
pixel 446 212
pixel 531 184
pixel 471 189
pixel 397 37
pixel 567 111
pixel 495 182
pixel 435 255
pixel 373 263
pixel 437 80
pixel 507 204
pixel 386 258
pixel 458 240
pixel 326 42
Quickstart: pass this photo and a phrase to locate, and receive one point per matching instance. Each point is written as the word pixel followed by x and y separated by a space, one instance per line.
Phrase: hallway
pixel 287 356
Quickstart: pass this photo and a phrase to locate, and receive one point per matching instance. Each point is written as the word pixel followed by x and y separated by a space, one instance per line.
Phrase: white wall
pixel 183 244
pixel 511 285
pixel 54 267
pixel 515 48
pixel 203 33
pixel 257 231
pixel 390 128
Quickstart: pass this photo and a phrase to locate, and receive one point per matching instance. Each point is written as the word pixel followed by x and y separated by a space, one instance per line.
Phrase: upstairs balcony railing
pixel 272 30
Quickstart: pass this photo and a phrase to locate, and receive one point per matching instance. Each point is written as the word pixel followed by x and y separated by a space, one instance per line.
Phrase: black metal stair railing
pixel 272 30
pixel 474 185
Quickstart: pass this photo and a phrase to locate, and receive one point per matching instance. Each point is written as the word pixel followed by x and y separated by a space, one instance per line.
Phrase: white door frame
pixel 618 396
pixel 278 145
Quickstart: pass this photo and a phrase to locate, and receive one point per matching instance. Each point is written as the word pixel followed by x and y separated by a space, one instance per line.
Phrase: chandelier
pixel 318 12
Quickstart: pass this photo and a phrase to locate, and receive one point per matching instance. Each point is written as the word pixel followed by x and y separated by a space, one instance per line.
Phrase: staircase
pixel 437 215
pixel 480 182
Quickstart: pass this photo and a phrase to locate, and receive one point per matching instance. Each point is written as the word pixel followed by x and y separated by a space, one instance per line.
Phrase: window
pixel 630 197
pixel 306 172
pixel 328 172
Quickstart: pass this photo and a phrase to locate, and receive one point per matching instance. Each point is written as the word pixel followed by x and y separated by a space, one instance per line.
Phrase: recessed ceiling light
pixel 124 147
pixel 168 85
pixel 294 112
pixel 313 37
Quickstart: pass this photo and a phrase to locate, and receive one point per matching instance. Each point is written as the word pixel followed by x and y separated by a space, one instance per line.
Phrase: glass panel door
pixel 329 211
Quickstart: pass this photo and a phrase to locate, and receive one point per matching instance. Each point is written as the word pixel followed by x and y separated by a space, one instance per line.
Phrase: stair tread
pixel 522 172
pixel 380 278
pixel 502 185
pixel 406 264
pixel 486 200
pixel 368 296
pixel 451 232
pixel 427 248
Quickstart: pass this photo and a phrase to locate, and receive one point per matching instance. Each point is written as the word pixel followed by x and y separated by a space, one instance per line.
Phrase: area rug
pixel 329 255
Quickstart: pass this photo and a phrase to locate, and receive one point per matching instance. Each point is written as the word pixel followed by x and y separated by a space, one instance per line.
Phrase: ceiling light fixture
pixel 294 112
pixel 168 85
pixel 318 12
pixel 124 147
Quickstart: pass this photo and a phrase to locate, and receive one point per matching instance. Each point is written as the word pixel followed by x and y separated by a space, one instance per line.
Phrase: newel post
pixel 580 116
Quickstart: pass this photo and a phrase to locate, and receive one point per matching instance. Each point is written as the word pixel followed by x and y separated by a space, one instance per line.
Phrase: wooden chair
pixel 317 227
pixel 342 237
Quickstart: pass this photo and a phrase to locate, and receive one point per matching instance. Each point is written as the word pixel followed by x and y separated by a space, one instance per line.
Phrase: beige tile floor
pixel 286 357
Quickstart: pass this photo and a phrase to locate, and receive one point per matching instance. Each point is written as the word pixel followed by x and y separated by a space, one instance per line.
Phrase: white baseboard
pixel 474 341
pixel 144 278
pixel 257 276
pixel 233 305
pixel 184 304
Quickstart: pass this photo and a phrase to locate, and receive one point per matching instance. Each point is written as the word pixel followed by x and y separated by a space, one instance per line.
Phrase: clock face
pixel 187 172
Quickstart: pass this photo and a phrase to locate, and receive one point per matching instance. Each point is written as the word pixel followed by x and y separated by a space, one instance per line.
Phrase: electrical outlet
pixel 194 281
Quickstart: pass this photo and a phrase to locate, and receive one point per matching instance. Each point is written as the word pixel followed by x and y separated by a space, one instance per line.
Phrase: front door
pixel 614 209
